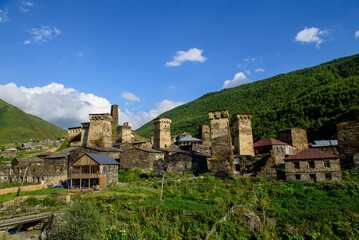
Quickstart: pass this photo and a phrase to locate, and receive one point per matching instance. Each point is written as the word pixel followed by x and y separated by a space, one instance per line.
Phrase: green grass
pixel 12 196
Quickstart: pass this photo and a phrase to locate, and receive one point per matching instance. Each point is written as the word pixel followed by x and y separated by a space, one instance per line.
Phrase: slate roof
pixel 29 160
pixel 311 153
pixel 268 142
pixel 102 159
pixel 63 153
pixel 325 143
pixel 189 139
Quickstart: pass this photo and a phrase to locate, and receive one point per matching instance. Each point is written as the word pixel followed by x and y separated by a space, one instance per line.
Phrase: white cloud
pixel 357 34
pixel 130 96
pixel 193 55
pixel 311 35
pixel 250 59
pixel 67 107
pixel 248 72
pixel 239 79
pixel 62 106
pixel 136 120
pixel 24 7
pixel 43 34
pixel 27 3
pixel 259 70
pixel 80 54
pixel 3 16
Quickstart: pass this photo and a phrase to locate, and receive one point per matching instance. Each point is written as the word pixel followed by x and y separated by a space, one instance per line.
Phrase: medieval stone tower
pixel 84 133
pixel 205 135
pixel 221 162
pixel 162 132
pixel 296 137
pixel 114 114
pixel 99 133
pixel 243 137
pixel 123 133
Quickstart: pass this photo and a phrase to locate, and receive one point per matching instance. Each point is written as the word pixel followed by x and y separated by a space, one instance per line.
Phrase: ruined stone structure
pixel 100 133
pixel 162 132
pixel 74 136
pixel 296 137
pixel 313 165
pixel 84 133
pixel 123 133
pixel 114 114
pixel 221 162
pixel 348 141
pixel 139 158
pixel 205 135
pixel 243 137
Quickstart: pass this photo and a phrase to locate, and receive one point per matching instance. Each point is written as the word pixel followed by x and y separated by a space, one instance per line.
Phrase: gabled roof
pixel 189 139
pixel 64 153
pixel 102 159
pixel 325 143
pixel 311 153
pixel 268 142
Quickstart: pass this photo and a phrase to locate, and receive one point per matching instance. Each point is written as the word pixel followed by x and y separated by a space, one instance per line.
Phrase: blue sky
pixel 61 60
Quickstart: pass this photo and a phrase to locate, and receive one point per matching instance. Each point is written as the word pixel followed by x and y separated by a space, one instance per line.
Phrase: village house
pixel 329 146
pixel 93 170
pixel 312 165
pixel 9 153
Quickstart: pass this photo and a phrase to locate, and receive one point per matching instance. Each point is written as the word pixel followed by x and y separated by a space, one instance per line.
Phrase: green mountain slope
pixel 18 126
pixel 313 98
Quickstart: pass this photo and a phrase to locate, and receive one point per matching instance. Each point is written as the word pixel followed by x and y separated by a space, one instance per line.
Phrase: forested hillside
pixel 18 126
pixel 314 98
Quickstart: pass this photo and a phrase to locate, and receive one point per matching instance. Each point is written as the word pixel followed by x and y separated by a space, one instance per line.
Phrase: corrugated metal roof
pixel 102 159
pixel 268 142
pixel 325 143
pixel 311 153
pixel 189 139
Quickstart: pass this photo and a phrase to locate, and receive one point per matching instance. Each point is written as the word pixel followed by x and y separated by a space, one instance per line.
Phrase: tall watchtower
pixel 114 114
pixel 296 137
pixel 123 133
pixel 162 132
pixel 243 137
pixel 100 133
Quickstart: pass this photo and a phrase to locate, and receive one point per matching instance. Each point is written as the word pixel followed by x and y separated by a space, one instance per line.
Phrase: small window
pixel 281 149
pixel 326 164
pixel 328 176
pixel 311 164
pixel 277 149
pixel 313 177
pixel 297 176
pixel 296 165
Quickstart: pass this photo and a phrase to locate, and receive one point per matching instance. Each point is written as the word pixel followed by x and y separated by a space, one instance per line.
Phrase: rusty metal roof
pixel 311 153
pixel 268 142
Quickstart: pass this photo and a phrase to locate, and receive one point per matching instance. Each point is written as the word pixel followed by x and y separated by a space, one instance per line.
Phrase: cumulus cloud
pixel 67 107
pixel 239 79
pixel 311 35
pixel 62 106
pixel 43 34
pixel 259 70
pixel 356 34
pixel 3 16
pixel 130 96
pixel 193 55
pixel 136 120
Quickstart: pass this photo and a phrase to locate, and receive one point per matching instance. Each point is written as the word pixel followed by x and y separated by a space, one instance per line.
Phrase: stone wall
pixel 139 158
pixel 111 174
pixel 123 133
pixel 100 131
pixel 114 114
pixel 205 135
pixel 302 174
pixel 348 141
pixel 221 162
pixel 295 137
pixel 243 137
pixel 74 137
pixel 24 188
pixel 84 133
pixel 162 132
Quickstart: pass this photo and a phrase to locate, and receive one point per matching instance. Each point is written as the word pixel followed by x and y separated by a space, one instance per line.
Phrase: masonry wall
pixel 243 137
pixel 84 133
pixel 100 133
pixel 205 135
pixel 348 141
pixel 162 132
pixel 123 134
pixel 295 137
pixel 319 170
pixel 221 162
pixel 111 174
pixel 138 158
pixel 74 137
pixel 114 114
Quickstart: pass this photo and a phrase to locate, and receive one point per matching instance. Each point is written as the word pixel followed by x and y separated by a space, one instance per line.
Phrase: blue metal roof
pixel 102 159
pixel 188 139
pixel 325 143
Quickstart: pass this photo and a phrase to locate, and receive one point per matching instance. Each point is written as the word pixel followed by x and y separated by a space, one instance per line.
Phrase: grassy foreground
pixel 191 207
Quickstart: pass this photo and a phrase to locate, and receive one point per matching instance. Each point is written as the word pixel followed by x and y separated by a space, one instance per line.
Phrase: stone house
pixel 139 158
pixel 92 170
pixel 9 153
pixel 267 145
pixel 312 165
pixel 329 146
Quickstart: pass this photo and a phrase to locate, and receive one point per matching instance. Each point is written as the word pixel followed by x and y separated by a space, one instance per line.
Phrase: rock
pixel 251 220
pixel 50 226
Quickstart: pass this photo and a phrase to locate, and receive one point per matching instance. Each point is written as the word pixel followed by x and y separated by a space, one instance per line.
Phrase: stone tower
pixel 123 133
pixel 84 133
pixel 114 114
pixel 205 135
pixel 295 137
pixel 100 133
pixel 221 162
pixel 162 131
pixel 243 137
